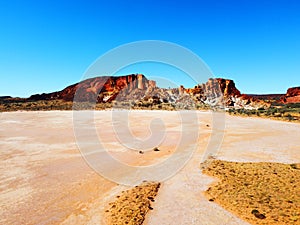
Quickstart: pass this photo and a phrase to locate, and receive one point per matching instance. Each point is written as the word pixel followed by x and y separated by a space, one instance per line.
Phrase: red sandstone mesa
pixel 95 88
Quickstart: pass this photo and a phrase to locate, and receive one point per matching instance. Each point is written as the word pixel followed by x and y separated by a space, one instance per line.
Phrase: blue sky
pixel 47 45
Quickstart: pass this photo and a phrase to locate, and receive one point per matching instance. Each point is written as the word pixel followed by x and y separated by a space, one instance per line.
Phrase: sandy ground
pixel 44 179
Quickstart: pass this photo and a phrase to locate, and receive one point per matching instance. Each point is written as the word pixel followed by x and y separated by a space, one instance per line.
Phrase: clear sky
pixel 47 45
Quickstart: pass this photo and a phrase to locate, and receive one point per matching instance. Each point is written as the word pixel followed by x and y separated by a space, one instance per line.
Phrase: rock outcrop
pixel 216 92
pixel 223 92
pixel 292 95
pixel 99 89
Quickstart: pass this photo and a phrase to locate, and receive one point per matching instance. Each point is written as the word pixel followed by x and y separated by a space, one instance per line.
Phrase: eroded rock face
pixel 292 95
pixel 100 89
pixel 223 92
pixel 217 92
pixel 228 87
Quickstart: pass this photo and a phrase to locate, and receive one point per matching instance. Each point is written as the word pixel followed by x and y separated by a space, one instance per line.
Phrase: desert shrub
pixel 289 117
pixel 293 105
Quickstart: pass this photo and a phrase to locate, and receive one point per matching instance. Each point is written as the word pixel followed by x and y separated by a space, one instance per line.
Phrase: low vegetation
pixel 287 112
pixel 7 106
pixel 260 193
pixel 46 105
pixel 131 206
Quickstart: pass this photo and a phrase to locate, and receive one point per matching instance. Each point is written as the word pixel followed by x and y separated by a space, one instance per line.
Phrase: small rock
pixel 260 216
pixel 156 149
pixel 141 152
pixel 257 214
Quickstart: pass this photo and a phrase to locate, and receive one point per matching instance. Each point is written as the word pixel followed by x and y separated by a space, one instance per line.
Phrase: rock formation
pixel 181 90
pixel 100 89
pixel 223 92
pixel 292 95
pixel 216 92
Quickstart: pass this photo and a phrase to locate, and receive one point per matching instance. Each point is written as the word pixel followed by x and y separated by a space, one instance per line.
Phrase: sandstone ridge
pixel 95 88
pixel 217 92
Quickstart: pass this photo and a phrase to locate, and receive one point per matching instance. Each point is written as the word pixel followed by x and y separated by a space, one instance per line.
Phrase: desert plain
pixel 44 178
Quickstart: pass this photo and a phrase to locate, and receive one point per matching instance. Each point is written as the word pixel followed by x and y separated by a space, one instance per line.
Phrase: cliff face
pixel 213 88
pixel 228 87
pixel 102 89
pixel 136 87
pixel 292 95
pixel 223 92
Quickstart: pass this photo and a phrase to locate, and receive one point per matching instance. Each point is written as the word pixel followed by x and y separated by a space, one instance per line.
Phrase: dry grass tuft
pixel 131 206
pixel 260 193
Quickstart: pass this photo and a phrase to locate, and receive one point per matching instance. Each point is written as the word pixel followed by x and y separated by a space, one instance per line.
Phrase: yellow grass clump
pixel 260 193
pixel 131 206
